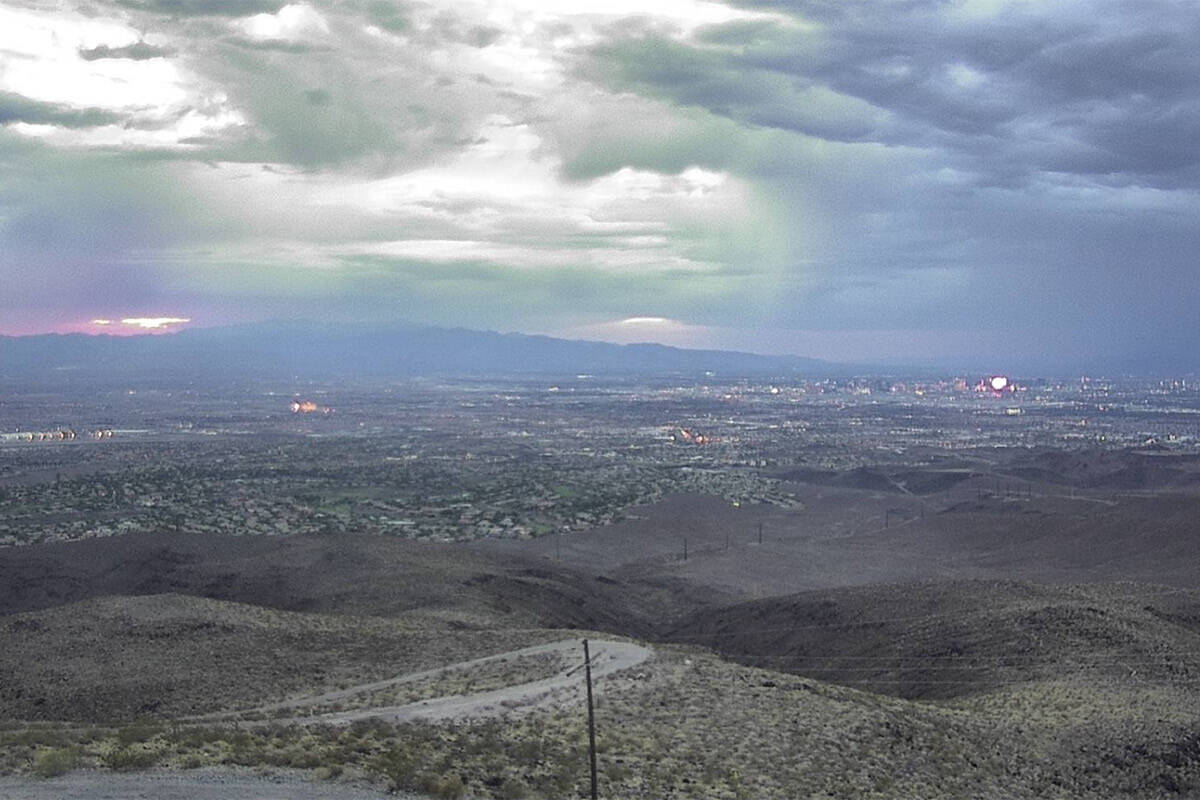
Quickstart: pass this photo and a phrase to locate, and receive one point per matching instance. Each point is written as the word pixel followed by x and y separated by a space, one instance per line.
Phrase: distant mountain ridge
pixel 293 349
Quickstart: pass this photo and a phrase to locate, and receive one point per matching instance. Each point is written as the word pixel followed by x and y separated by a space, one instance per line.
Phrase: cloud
pixel 17 108
pixel 388 15
pixel 205 8
pixel 138 51
pixel 696 76
pixel 1023 170
pixel 295 22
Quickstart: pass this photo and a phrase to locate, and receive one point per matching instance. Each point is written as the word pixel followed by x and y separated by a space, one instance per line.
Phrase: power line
pixel 587 662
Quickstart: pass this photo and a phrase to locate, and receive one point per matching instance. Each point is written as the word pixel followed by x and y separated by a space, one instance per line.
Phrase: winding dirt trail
pixel 608 656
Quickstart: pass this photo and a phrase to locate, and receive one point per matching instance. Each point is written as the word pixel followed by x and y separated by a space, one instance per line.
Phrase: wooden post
pixel 760 533
pixel 587 665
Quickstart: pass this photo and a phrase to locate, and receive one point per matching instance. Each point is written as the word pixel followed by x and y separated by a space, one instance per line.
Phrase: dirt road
pixel 608 656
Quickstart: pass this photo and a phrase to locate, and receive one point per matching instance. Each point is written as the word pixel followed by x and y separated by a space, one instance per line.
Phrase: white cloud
pixel 163 105
pixel 503 200
pixel 293 23
pixel 43 63
pixel 965 76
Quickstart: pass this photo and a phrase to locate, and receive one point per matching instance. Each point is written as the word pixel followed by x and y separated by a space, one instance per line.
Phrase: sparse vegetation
pixel 886 691
pixel 52 762
pixel 692 726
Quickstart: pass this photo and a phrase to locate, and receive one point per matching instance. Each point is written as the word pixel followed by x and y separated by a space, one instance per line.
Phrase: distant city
pixel 463 459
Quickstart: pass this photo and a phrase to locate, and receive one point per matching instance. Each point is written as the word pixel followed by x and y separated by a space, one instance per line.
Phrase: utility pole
pixel 760 533
pixel 587 665
pixel 685 549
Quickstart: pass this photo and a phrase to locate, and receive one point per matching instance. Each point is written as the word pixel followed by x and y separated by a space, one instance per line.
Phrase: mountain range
pixel 312 351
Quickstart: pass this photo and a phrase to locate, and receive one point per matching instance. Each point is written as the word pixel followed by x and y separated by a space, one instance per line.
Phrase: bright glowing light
pixel 309 407
pixel 154 323
pixel 998 383
pixel 102 322
pixel 646 321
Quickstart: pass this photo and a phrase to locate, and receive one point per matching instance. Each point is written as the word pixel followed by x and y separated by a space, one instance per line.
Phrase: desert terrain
pixel 1002 621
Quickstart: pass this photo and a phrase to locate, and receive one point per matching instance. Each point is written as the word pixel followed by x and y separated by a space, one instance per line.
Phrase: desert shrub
pixel 245 752
pixel 511 789
pixel 136 732
pixel 124 758
pixel 398 766
pixel 447 787
pixel 373 727
pixel 38 737
pixel 527 750
pixel 50 763
pixel 328 773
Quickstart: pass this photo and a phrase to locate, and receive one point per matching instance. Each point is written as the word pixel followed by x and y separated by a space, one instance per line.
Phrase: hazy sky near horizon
pixel 1004 181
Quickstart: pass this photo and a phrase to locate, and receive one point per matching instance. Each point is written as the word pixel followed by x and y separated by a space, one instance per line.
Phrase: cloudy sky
pixel 990 182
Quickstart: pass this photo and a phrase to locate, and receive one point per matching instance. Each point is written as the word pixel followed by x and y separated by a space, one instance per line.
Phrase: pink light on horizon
pixel 101 326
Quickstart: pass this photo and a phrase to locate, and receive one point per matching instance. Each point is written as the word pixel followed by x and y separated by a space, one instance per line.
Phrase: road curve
pixel 608 656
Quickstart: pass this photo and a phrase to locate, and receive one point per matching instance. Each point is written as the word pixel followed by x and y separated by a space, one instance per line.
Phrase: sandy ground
pixel 205 784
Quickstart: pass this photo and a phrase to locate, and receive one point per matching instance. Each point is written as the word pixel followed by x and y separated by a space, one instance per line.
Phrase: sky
pixel 994 183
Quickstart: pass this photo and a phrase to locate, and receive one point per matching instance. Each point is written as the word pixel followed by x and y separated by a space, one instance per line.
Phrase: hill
pixel 123 658
pixel 312 351
pixel 958 638
pixel 1113 470
pixel 360 575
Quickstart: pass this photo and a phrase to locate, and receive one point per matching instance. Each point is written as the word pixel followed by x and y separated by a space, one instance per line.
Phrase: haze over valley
pixel 844 586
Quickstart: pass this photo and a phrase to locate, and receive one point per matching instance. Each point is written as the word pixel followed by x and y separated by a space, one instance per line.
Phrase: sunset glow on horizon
pixel 154 323
pixel 124 326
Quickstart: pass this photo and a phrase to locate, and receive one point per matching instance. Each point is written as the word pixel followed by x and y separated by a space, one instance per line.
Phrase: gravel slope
pixel 208 784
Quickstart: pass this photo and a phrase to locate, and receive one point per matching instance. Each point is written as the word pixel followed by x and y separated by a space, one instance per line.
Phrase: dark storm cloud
pixel 712 80
pixel 388 15
pixel 138 51
pixel 297 124
pixel 17 108
pixel 275 45
pixel 1106 90
pixel 1029 168
pixel 1024 169
pixel 206 8
pixel 342 96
